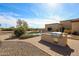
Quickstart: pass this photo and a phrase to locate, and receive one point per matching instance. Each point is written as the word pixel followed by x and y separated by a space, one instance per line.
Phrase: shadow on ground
pixel 66 51
pixel 11 38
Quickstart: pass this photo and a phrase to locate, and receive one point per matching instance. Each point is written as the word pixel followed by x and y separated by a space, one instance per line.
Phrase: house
pixel 75 25
pixel 67 24
pixel 72 25
pixel 52 27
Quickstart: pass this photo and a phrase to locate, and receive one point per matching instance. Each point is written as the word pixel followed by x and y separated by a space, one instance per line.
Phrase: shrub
pixel 67 31
pixel 32 32
pixel 75 33
pixel 19 31
pixel 7 29
pixel 25 36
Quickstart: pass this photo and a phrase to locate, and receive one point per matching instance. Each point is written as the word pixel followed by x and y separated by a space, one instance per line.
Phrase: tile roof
pixel 73 20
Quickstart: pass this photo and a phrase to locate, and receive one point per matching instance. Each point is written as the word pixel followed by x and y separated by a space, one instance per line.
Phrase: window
pixel 62 29
pixel 49 29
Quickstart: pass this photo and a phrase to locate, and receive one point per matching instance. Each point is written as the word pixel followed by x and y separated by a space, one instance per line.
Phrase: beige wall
pixel 75 26
pixel 66 24
pixel 62 40
pixel 55 26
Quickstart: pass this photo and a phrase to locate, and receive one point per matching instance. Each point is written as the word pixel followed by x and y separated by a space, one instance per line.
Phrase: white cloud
pixel 9 13
pixel 8 20
pixel 40 23
pixel 53 5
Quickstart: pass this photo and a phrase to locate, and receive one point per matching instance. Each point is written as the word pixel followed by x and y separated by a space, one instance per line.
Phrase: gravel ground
pixel 18 48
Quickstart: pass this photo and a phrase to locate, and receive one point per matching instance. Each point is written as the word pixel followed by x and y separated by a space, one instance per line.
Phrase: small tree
pixel 19 22
pixel 19 31
pixel 22 23
pixel 22 26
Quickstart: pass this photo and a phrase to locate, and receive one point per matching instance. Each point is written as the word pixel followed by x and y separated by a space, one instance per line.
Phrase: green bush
pixel 19 31
pixel 7 29
pixel 33 32
pixel 75 33
pixel 25 36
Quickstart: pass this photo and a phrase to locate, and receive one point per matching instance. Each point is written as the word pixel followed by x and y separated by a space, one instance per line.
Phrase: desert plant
pixel 19 31
pixel 33 32
pixel 75 33
pixel 67 30
pixel 25 36
pixel 7 29
pixel 22 23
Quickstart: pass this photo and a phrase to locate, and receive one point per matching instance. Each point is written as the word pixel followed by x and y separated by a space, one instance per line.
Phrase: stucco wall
pixel 62 40
pixel 54 27
pixel 66 24
pixel 75 26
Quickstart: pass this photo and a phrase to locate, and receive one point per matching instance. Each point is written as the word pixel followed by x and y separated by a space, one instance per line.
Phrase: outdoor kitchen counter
pixel 55 38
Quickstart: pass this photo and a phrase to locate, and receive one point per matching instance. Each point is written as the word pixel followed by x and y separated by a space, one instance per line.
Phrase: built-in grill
pixel 55 37
pixel 56 34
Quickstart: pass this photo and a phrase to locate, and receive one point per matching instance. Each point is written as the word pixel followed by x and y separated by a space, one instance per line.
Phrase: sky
pixel 37 14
